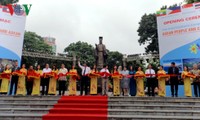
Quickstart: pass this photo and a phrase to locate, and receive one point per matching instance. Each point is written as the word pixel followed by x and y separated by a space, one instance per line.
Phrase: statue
pixel 100 54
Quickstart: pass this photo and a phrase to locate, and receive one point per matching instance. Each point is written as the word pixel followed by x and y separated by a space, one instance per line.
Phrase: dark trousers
pixel 84 84
pixel 45 83
pixel 132 87
pixel 62 87
pixel 14 82
pixel 196 89
pixel 174 84
pixel 151 84
pixel 0 82
pixel 29 87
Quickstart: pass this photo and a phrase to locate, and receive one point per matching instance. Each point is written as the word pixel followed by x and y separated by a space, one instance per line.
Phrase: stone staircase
pixel 153 108
pixel 119 108
pixel 25 107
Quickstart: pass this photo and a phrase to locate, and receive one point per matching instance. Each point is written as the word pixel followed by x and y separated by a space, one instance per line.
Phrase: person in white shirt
pixel 62 79
pixel 151 80
pixel 105 80
pixel 45 80
pixel 84 79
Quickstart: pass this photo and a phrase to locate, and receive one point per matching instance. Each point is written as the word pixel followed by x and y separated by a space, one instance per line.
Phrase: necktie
pixel 84 71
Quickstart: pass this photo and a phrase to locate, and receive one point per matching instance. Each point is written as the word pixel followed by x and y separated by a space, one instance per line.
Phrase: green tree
pixel 191 1
pixel 35 43
pixel 148 32
pixel 5 2
pixel 114 58
pixel 83 50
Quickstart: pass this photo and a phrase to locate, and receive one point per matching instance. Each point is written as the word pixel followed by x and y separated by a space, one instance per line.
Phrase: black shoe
pixel 172 95
pixel 176 95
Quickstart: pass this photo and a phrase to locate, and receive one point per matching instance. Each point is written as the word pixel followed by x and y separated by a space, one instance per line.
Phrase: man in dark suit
pixel 14 79
pixel 84 79
pixel 1 70
pixel 174 80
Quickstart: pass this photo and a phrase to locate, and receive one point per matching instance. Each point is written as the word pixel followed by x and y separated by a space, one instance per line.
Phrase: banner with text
pixel 11 35
pixel 178 34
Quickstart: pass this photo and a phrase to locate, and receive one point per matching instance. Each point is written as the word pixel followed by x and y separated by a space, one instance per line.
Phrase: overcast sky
pixel 85 20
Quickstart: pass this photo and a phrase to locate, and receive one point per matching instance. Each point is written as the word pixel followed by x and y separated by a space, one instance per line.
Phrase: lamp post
pixel 124 60
pixel 74 58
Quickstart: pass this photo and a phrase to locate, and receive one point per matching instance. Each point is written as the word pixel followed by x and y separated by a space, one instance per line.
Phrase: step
pixel 150 117
pixel 88 111
pixel 102 111
pixel 153 98
pixel 28 101
pixel 154 102
pixel 27 105
pixel 80 105
pixel 153 107
pixel 24 110
pixel 21 116
pixel 75 117
pixel 101 101
pixel 154 112
pixel 86 97
pixel 29 97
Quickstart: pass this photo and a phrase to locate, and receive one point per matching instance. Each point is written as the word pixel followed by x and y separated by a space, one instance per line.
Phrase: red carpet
pixel 79 108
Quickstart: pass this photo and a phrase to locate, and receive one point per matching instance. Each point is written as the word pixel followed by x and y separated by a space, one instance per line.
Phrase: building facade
pixel 51 42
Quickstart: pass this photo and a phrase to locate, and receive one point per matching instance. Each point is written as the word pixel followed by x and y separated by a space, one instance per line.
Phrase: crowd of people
pixel 20 81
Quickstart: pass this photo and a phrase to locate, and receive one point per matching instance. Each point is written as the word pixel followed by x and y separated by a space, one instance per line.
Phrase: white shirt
pixel 86 69
pixel 45 70
pixel 125 73
pixel 104 70
pixel 63 71
pixel 150 71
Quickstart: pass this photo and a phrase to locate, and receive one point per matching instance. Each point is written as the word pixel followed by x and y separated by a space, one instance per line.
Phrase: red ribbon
pixel 94 74
pixel 105 74
pixel 5 75
pixel 62 75
pixel 190 75
pixel 33 75
pixel 50 74
pixel 18 73
pixel 74 75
